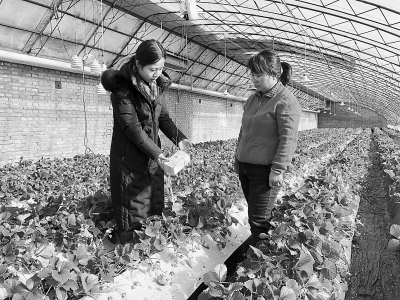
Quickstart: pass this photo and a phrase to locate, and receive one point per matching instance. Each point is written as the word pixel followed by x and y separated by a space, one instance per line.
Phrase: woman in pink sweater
pixel 267 138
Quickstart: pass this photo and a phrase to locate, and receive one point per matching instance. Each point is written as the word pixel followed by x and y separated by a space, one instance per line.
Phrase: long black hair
pixel 149 52
pixel 268 62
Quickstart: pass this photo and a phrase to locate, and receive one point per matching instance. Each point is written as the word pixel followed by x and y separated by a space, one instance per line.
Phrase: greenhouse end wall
pixel 50 113
pixel 342 117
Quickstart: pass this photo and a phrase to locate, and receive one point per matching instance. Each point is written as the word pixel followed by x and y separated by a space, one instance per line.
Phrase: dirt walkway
pixel 375 270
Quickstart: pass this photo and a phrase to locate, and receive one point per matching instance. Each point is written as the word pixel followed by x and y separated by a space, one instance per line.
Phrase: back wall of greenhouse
pixel 54 113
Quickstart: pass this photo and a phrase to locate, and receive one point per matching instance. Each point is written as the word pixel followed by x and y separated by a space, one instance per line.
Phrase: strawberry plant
pixel 304 255
pixel 56 227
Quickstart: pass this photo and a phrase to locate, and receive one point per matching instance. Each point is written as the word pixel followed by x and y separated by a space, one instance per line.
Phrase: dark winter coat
pixel 137 181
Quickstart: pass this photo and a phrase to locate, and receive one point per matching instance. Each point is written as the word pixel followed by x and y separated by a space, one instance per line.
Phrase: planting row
pixel 307 252
pixel 56 218
pixel 389 152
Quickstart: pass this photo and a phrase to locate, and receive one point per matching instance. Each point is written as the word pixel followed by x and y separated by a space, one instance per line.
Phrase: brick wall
pixel 206 118
pixel 348 119
pixel 38 120
pixel 202 117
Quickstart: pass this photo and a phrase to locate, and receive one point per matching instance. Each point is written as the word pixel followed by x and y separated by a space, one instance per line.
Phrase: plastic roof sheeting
pixel 348 49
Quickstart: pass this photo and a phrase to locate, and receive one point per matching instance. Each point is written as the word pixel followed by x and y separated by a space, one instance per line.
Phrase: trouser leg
pixel 254 182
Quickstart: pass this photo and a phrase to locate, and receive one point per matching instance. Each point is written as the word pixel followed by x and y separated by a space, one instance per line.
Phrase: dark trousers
pixel 256 190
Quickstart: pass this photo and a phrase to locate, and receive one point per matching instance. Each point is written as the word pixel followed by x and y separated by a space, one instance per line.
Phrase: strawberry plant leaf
pixel 52 282
pixel 215 292
pixel 237 296
pixel 158 244
pixel 202 221
pixel 88 281
pixel 18 297
pixel 327 285
pixel 95 231
pixel 236 286
pixel 177 206
pixel 395 231
pixel 33 282
pixel 71 220
pixel 193 219
pixel 329 226
pixel 107 276
pixel 314 282
pixel 4 216
pixel 150 231
pixel 330 270
pixel 21 288
pixel 220 270
pixel 61 294
pixel 256 253
pixel 249 285
pixel 291 283
pixel 70 285
pixel 210 277
pixel 62 275
pixel 394 245
pixel 326 248
pixel 8 249
pixel 119 250
pixel 287 294
pixel 281 230
pixel 23 217
pixel 305 263
pixel 81 252
pixel 204 296
pixel 44 273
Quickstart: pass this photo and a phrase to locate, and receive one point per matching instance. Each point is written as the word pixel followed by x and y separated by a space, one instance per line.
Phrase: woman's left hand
pixel 275 179
pixel 184 144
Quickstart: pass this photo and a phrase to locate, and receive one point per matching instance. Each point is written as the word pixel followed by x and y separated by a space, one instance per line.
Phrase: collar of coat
pixel 121 81
pixel 270 93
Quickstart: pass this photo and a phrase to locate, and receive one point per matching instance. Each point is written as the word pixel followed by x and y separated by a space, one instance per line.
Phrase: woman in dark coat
pixel 139 111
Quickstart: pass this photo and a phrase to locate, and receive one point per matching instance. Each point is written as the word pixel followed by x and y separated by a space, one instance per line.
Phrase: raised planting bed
pixel 56 223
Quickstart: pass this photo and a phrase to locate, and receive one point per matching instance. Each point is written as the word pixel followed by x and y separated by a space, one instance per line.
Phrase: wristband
pixel 277 172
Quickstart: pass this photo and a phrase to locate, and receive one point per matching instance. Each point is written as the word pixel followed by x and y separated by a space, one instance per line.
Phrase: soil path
pixel 375 271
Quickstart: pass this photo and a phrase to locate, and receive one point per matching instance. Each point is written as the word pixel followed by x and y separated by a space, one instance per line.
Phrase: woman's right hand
pixel 184 144
pixel 275 180
pixel 161 159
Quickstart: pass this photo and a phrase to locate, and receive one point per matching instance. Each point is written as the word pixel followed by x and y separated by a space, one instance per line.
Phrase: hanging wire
pixel 76 37
pixel 95 17
pixel 305 57
pixel 225 62
pixel 102 31
pixel 85 139
pixel 305 50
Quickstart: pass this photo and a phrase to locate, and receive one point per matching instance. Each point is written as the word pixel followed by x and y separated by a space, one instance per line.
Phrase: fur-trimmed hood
pixel 119 81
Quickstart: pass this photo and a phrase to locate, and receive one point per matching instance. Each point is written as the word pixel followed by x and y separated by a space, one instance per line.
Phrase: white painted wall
pixel 308 120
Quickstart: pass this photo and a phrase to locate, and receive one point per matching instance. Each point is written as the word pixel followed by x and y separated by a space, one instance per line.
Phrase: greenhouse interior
pixel 200 149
